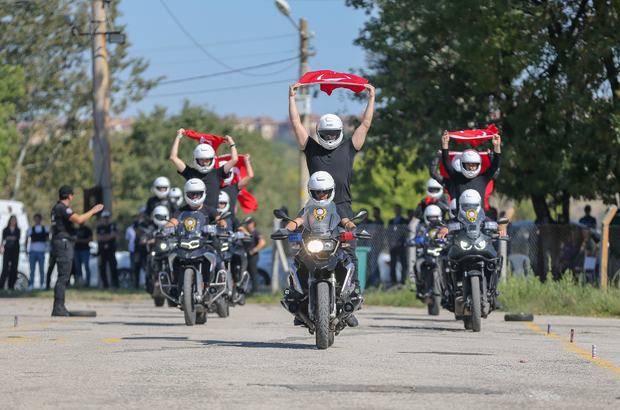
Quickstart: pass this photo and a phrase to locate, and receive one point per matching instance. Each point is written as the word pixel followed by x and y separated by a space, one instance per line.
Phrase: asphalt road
pixel 136 356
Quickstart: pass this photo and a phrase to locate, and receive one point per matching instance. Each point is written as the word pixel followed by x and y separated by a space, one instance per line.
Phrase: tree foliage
pixel 11 88
pixel 546 73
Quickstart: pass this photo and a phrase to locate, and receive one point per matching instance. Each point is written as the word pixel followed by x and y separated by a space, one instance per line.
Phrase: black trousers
pixel 9 267
pixel 344 211
pixel 108 257
pixel 398 254
pixel 253 270
pixel 139 261
pixel 62 252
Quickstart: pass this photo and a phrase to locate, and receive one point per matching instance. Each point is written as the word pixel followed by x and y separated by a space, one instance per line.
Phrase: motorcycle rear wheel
pixel 322 316
pixel 476 308
pixel 222 307
pixel 435 305
pixel 159 302
pixel 189 309
pixel 201 318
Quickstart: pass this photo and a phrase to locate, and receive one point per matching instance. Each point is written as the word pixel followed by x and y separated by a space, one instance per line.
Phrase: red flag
pixel 474 137
pixel 247 201
pixel 214 140
pixel 483 167
pixel 240 171
pixel 330 80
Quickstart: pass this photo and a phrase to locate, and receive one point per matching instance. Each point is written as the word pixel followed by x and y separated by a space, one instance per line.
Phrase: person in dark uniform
pixel 106 237
pixel 10 250
pixel 233 189
pixel 204 163
pixel 194 192
pixel 331 154
pixel 252 248
pixel 397 235
pixel 82 252
pixel 63 235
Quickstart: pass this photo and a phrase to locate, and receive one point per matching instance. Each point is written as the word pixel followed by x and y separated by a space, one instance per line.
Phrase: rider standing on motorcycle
pixel 470 176
pixel 204 161
pixel 233 189
pixel 161 189
pixel 195 194
pixel 434 196
pixel 321 188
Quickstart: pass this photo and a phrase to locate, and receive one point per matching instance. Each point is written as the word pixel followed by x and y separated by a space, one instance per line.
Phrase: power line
pixel 182 80
pixel 201 48
pixel 220 89
pixel 202 60
pixel 220 43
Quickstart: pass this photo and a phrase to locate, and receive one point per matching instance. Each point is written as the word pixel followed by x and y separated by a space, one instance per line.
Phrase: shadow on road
pixel 260 345
pixel 141 324
pixel 442 329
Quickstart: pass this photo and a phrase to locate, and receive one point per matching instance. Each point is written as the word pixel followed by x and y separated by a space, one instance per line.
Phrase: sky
pixel 241 33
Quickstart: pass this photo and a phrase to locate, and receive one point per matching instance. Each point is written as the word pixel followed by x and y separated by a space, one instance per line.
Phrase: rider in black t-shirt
pixel 204 163
pixel 194 192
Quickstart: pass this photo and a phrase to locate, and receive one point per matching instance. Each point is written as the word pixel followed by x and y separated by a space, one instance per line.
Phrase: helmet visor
pixel 161 188
pixel 195 194
pixel 320 194
pixel 434 190
pixel 204 162
pixel 329 135
pixel 470 166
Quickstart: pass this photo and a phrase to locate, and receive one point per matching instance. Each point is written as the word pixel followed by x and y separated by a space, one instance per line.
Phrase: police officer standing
pixel 106 237
pixel 63 234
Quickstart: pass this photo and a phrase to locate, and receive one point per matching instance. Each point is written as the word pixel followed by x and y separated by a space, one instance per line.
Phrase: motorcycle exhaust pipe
pixel 347 309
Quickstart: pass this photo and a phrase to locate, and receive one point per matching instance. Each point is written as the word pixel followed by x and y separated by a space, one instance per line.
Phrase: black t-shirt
pixel 212 180
pixel 154 202
pixel 105 230
pixel 337 162
pixel 233 192
pixel 256 237
pixel 11 244
pixel 62 228
pixel 209 212
pixel 83 232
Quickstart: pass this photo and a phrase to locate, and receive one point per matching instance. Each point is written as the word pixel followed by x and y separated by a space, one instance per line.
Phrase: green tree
pixel 11 88
pixel 545 72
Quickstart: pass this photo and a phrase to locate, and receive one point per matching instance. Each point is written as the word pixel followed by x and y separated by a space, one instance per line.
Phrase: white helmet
pixel 434 189
pixel 192 188
pixel 161 182
pixel 329 131
pixel 452 211
pixel 204 151
pixel 470 156
pixel 470 199
pixel 456 163
pixel 176 195
pixel 223 199
pixel 432 210
pixel 163 211
pixel 229 176
pixel 321 181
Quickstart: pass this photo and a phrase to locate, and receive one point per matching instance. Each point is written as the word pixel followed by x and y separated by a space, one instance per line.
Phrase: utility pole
pixel 101 104
pixel 304 106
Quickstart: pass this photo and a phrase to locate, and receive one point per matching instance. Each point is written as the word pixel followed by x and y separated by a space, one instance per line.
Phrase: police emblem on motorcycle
pixel 319 213
pixel 472 215
pixel 190 224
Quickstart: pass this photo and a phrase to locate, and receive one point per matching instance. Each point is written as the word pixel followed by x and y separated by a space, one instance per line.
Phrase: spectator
pixel 84 235
pixel 140 227
pixel 377 230
pixel 10 249
pixel 106 237
pixel 410 214
pixel 588 220
pixel 572 252
pixel 252 248
pixel 397 235
pixel 40 236
pixel 130 236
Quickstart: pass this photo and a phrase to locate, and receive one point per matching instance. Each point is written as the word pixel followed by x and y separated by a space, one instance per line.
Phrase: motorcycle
pixel 329 298
pixel 194 282
pixel 472 266
pixel 429 282
pixel 158 248
pixel 236 260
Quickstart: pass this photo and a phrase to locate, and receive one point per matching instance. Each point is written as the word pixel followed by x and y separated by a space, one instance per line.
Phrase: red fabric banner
pixel 247 201
pixel 474 137
pixel 483 167
pixel 214 140
pixel 330 80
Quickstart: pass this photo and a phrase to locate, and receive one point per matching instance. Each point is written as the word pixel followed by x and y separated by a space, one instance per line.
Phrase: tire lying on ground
pixel 518 317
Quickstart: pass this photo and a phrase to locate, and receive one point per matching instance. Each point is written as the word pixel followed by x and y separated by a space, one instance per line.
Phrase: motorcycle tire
pixel 435 306
pixel 189 309
pixel 201 318
pixel 476 304
pixel 467 323
pixel 331 338
pixel 159 302
pixel 222 308
pixel 172 303
pixel 516 317
pixel 322 315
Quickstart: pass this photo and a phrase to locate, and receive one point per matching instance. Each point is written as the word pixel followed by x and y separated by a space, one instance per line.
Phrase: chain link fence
pixel 613 263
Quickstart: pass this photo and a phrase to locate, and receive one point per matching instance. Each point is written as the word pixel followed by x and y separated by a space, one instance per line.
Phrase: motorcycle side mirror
pixel 246 220
pixel 279 214
pixel 225 215
pixel 361 215
pixel 503 221
pixel 435 223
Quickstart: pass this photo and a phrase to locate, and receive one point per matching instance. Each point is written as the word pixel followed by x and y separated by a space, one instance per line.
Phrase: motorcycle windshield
pixel 472 217
pixel 190 224
pixel 320 218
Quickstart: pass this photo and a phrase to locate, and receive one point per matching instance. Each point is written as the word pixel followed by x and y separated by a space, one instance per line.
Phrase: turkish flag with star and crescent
pixel 330 80
pixel 483 167
pixel 474 137
pixel 247 201
pixel 214 140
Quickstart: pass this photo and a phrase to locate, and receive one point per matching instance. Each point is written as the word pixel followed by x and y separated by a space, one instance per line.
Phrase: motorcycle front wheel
pixel 322 316
pixel 435 305
pixel 189 309
pixel 476 308
pixel 222 307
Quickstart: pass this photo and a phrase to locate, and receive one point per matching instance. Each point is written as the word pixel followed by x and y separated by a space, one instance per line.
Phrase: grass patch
pixel 564 297
pixel 399 298
pixel 265 298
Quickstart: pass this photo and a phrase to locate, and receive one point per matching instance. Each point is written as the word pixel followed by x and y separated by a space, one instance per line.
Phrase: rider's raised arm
pixel 433 169
pixel 246 179
pixel 174 152
pixel 445 155
pixel 234 157
pixel 359 136
pixel 301 135
pixel 497 156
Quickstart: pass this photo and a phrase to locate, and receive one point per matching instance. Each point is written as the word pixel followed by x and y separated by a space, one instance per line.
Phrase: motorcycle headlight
pixel 315 246
pixel 481 245
pixel 163 246
pixel 193 244
pixel 465 245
